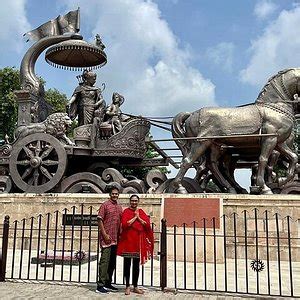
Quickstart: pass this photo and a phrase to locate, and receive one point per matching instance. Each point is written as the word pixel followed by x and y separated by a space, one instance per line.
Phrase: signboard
pixel 187 210
pixel 79 220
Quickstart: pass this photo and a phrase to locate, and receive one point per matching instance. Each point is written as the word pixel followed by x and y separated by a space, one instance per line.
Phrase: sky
pixel 168 56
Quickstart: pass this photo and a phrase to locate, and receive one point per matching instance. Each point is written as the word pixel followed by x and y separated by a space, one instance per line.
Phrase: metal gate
pixel 256 253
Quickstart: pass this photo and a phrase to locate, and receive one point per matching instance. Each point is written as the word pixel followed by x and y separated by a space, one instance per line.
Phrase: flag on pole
pixel 69 23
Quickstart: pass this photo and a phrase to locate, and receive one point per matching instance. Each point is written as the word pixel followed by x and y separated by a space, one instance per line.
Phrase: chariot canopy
pixel 76 55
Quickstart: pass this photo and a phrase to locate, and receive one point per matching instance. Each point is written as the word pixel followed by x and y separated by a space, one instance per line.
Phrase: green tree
pixel 9 81
pixel 57 99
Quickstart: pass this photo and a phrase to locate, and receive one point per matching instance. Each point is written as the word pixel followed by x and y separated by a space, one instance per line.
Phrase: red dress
pixel 136 240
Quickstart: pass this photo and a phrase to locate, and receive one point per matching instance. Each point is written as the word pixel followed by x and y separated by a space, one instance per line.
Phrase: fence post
pixel 3 252
pixel 163 254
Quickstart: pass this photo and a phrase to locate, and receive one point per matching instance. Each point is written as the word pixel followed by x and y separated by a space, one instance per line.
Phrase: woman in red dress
pixel 136 242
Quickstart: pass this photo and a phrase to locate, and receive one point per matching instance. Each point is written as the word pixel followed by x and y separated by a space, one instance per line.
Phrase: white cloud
pixel 13 23
pixel 277 48
pixel 263 9
pixel 222 55
pixel 145 62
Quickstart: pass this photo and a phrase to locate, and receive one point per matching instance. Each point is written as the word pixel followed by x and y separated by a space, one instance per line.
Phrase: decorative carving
pixel 154 179
pixel 82 135
pixel 129 142
pixel 55 125
pixel 291 188
pixel 3 171
pixel 5 150
pixel 76 182
pixel 113 175
pixel 137 184
pixel 5 184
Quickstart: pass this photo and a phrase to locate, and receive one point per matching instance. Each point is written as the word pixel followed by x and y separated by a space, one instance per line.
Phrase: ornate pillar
pixel 25 101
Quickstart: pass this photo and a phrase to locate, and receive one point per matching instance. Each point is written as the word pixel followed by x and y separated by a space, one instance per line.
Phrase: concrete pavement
pixel 17 289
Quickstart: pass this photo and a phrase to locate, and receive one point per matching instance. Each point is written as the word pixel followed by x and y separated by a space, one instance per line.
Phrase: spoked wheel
pixel 37 163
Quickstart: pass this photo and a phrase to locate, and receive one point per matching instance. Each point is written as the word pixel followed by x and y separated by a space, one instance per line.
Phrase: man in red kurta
pixel 109 219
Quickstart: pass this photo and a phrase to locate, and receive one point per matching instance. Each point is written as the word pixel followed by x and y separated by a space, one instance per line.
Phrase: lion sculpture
pixel 56 125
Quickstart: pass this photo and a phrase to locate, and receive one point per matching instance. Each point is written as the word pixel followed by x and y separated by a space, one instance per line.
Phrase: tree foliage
pixel 57 100
pixel 9 81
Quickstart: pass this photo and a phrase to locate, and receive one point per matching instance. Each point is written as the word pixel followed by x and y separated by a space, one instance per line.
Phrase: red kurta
pixel 136 240
pixel 110 213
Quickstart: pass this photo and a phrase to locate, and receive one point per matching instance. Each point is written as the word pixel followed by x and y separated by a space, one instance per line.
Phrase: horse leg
pixel 201 169
pixel 215 154
pixel 229 168
pixel 270 175
pixel 284 149
pixel 197 149
pixel 267 147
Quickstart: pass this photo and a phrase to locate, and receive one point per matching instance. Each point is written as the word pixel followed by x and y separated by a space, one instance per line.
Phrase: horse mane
pixel 274 77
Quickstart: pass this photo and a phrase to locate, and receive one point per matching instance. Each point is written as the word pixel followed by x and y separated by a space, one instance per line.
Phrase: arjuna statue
pixel 86 99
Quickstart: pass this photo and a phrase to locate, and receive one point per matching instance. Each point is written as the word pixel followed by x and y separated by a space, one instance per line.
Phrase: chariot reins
pixel 285 98
pixel 153 120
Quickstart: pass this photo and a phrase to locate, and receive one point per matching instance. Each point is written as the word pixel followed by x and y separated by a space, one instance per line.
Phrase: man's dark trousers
pixel 107 265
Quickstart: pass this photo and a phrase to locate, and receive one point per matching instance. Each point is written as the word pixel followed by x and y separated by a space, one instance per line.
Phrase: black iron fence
pixel 250 253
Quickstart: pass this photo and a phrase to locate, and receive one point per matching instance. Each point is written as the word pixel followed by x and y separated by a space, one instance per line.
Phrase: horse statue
pixel 254 132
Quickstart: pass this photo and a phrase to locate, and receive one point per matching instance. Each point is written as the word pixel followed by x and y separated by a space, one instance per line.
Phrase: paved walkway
pixel 20 290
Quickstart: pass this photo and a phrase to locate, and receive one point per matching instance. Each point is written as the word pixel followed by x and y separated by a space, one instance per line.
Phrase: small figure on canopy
pixel 87 100
pixel 98 42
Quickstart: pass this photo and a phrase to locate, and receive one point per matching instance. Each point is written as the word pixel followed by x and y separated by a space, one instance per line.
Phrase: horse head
pixel 282 88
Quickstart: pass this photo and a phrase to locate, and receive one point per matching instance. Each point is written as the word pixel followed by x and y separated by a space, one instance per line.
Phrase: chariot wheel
pixel 37 163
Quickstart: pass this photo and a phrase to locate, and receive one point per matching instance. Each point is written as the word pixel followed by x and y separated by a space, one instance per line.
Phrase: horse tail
pixel 178 131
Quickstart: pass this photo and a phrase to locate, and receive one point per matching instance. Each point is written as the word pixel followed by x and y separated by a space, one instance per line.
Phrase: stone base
pixel 19 206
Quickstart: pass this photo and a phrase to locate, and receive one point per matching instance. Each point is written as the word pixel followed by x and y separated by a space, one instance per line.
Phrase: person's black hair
pixel 134 195
pixel 111 187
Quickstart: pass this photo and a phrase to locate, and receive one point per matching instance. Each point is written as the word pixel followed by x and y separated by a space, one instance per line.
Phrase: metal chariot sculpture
pixel 214 141
pixel 259 131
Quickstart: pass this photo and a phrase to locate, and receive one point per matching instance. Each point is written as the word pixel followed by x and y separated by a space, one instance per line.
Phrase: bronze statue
pixel 213 140
pixel 99 42
pixel 252 131
pixel 86 100
pixel 55 124
pixel 114 114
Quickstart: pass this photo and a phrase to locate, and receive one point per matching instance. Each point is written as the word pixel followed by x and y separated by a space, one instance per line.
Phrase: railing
pixel 247 254
pixel 254 253
pixel 62 246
